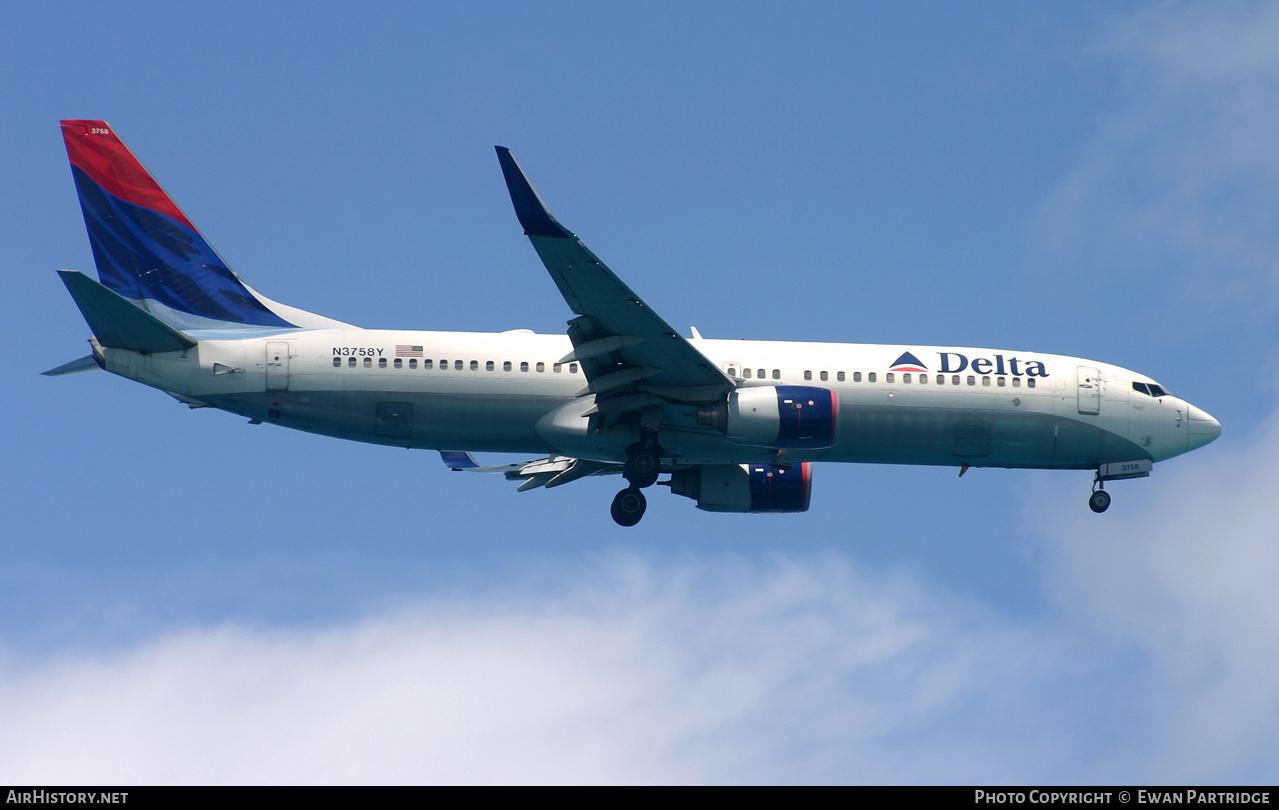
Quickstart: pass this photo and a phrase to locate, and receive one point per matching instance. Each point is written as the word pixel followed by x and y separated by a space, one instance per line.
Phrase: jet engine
pixel 746 487
pixel 781 416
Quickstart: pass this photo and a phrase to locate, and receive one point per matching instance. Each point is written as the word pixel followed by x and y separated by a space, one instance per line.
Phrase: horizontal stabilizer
pixel 74 367
pixel 117 322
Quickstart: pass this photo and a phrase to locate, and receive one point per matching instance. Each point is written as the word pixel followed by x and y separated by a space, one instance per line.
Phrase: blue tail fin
pixel 149 252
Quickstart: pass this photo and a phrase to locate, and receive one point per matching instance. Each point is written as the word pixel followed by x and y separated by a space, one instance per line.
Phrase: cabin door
pixel 1089 390
pixel 277 365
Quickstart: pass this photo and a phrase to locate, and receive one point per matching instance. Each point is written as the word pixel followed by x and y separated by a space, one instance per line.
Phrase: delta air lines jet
pixel 735 425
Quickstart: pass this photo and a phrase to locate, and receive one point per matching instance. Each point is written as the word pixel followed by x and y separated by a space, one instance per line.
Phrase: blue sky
pixel 187 598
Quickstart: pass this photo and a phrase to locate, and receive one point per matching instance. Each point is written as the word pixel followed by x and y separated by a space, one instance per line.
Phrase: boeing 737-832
pixel 737 425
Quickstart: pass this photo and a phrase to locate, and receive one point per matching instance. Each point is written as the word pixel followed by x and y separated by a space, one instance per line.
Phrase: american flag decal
pixel 408 351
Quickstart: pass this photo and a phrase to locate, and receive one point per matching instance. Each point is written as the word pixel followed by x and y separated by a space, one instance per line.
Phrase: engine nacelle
pixel 746 487
pixel 780 416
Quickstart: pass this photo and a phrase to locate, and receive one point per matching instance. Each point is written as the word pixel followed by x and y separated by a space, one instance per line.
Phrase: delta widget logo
pixel 907 362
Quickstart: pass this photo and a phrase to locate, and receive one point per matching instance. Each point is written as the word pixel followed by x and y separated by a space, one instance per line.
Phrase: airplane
pixel 736 424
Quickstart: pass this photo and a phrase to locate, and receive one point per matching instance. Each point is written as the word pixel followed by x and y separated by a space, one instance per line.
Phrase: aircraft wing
pixel 630 355
pixel 542 472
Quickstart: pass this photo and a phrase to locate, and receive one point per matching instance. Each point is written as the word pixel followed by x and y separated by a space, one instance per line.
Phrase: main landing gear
pixel 628 507
pixel 643 464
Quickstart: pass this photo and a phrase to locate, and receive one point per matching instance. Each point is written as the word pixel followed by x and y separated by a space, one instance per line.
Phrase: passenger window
pixel 923 378
pixel 777 374
pixel 475 365
pixel 413 363
pixel 870 377
pixel 905 377
pixel 524 366
pixel 941 379
pixel 985 381
pixel 350 363
pixel 368 362
pixel 889 377
pixel 826 376
pixel 572 368
pixel 746 374
pixel 1001 381
pixel 488 365
pixel 857 376
pixel 1030 383
pixel 444 365
pixel 541 367
pixel 427 363
pixel 337 362
pixel 556 368
pixel 972 380
pixel 457 365
pixel 399 363
pixel 506 365
pixel 840 376
pixel 1016 382
pixel 808 375
pixel 954 379
pixel 760 373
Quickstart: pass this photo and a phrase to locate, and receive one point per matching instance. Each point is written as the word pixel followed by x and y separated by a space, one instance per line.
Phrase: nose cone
pixel 1203 428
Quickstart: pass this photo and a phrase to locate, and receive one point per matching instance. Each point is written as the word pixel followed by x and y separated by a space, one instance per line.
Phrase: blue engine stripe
pixel 778 489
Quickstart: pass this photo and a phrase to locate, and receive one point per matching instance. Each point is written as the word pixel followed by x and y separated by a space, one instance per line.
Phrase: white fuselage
pixel 508 392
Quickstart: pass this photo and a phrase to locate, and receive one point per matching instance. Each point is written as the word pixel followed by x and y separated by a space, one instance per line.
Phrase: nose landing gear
pixel 1099 501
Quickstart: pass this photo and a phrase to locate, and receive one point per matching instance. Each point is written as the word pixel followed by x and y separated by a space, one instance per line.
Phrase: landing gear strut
pixel 1099 500
pixel 643 464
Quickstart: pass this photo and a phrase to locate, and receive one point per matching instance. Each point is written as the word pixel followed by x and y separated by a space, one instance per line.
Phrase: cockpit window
pixel 1150 389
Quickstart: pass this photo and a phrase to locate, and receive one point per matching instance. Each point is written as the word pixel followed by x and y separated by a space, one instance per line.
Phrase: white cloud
pixel 1182 176
pixel 1186 574
pixel 713 670
pixel 1160 664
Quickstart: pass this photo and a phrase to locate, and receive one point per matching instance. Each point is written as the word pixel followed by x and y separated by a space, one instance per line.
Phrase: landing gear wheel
pixel 1099 501
pixel 642 468
pixel 628 507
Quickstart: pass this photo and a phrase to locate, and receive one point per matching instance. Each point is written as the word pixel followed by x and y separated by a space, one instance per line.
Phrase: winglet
pixel 530 209
pixel 458 460
pixel 117 322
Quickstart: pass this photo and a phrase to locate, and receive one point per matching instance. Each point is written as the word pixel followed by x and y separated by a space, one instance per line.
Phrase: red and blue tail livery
pixel 144 246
